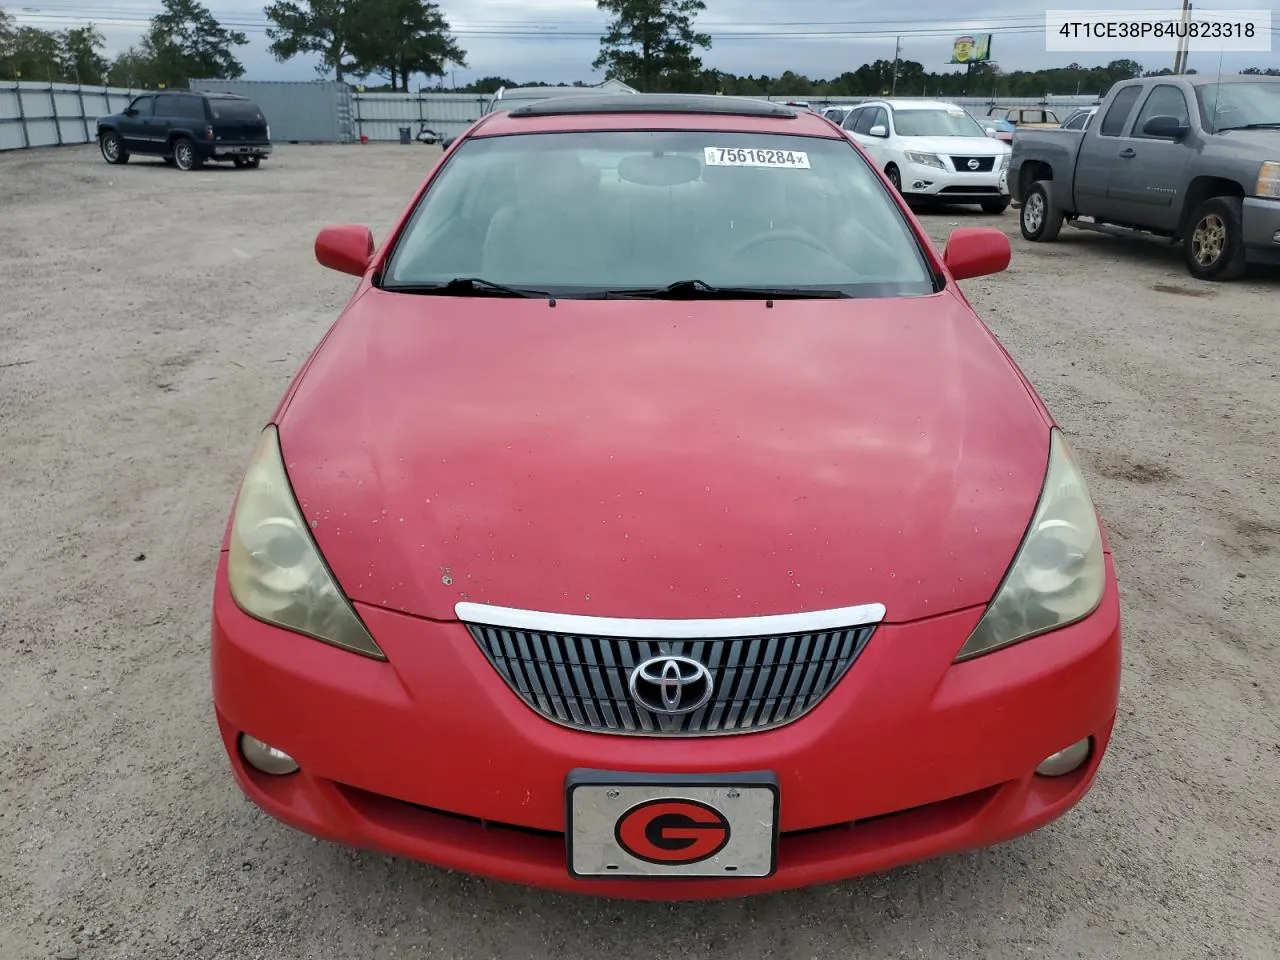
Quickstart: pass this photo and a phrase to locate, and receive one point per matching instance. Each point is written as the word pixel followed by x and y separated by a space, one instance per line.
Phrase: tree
pixel 185 40
pixel 32 54
pixel 80 55
pixel 650 44
pixel 6 40
pixel 132 68
pixel 1124 69
pixel 488 85
pixel 314 26
pixel 398 38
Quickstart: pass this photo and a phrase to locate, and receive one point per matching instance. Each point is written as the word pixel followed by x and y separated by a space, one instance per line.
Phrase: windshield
pixel 1224 106
pixel 937 123
pixel 586 213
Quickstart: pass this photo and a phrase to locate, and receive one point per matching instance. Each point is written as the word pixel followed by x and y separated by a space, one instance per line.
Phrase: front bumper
pixel 431 756
pixel 1261 229
pixel 928 182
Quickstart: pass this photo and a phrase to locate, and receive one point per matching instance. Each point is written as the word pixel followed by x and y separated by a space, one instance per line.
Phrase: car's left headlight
pixel 1268 184
pixel 275 569
pixel 925 159
pixel 1058 575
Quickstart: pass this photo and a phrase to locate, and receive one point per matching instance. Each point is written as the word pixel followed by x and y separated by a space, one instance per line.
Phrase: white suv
pixel 932 150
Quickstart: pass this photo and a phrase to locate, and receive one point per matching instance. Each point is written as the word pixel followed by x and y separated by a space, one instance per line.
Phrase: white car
pixel 836 114
pixel 933 151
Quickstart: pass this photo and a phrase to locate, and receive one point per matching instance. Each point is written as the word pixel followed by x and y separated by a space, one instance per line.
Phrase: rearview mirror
pixel 665 170
pixel 976 252
pixel 1166 128
pixel 347 248
pixel 879 130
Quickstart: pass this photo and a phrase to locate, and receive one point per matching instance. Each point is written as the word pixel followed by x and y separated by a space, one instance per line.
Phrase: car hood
pixel 1263 142
pixel 959 146
pixel 665 459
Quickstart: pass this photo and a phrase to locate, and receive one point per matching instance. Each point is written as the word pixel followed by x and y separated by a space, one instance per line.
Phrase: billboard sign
pixel 971 48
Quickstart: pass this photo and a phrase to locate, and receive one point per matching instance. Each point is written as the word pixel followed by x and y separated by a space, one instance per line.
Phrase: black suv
pixel 187 128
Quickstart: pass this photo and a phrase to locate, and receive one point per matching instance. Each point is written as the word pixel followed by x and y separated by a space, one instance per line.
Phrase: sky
pixel 556 40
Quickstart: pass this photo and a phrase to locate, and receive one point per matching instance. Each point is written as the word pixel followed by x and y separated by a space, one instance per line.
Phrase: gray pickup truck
pixel 1193 158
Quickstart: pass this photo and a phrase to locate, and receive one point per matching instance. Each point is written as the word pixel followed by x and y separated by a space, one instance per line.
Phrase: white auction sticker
pixel 755 157
pixel 1163 31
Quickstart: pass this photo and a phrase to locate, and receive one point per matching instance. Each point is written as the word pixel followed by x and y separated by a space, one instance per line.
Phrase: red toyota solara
pixel 659 521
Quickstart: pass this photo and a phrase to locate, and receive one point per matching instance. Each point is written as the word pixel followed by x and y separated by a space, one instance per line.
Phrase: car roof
pixel 532 93
pixel 916 104
pixel 184 91
pixel 1201 79
pixel 644 110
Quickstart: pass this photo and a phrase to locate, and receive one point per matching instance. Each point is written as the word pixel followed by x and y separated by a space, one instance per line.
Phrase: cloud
pixel 556 40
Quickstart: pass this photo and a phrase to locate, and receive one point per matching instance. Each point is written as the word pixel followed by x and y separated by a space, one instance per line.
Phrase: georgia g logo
pixel 672 832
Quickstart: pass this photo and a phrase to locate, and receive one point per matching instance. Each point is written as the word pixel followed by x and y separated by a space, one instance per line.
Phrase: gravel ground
pixel 148 324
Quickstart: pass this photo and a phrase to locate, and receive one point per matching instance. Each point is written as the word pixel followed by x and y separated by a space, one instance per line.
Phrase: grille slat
pixel 757 682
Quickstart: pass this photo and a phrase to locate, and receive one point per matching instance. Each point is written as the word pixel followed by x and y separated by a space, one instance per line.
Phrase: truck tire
pixel 1039 219
pixel 185 157
pixel 1214 242
pixel 112 148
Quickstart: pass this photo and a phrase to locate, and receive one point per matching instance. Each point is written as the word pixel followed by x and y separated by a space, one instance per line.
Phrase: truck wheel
pixel 1214 246
pixel 184 154
pixel 1039 219
pixel 112 148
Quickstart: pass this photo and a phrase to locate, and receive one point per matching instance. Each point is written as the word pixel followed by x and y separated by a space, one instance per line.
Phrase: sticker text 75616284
pixel 755 157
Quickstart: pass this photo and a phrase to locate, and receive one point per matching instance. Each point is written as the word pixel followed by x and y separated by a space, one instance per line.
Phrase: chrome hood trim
pixel 777 625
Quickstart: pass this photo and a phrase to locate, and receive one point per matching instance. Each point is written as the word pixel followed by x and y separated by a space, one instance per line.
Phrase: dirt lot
pixel 149 321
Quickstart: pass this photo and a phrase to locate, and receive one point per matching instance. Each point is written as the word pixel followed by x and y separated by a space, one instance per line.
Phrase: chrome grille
pixel 985 164
pixel 758 682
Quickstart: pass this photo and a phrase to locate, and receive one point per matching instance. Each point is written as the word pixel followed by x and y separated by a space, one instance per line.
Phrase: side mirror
pixel 879 130
pixel 1165 128
pixel 976 252
pixel 131 112
pixel 347 248
pixel 991 131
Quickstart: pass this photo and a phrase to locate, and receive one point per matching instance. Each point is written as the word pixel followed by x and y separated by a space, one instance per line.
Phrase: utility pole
pixel 897 51
pixel 1184 42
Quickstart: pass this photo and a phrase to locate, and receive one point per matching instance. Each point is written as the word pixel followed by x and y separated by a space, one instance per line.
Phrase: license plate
pixel 671 825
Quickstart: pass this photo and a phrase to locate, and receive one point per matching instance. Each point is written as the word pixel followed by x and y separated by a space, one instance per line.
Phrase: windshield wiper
pixel 699 290
pixel 466 287
pixel 1269 125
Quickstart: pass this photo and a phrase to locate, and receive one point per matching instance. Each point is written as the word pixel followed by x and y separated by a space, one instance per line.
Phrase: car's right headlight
pixel 1058 575
pixel 275 569
pixel 1268 180
pixel 925 159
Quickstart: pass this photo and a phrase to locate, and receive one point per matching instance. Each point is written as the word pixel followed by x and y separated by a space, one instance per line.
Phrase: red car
pixel 659 521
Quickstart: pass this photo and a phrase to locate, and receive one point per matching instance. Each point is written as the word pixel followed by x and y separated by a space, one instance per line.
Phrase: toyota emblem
pixel 671 686
pixel 974 163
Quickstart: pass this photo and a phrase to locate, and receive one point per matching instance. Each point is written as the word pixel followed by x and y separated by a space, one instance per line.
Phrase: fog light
pixel 1275 237
pixel 264 757
pixel 1065 761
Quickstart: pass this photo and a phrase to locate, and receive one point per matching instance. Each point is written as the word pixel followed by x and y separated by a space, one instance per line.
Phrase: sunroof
pixel 655 103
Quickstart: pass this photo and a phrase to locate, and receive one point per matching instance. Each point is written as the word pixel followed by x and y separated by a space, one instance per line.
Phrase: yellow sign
pixel 971 48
